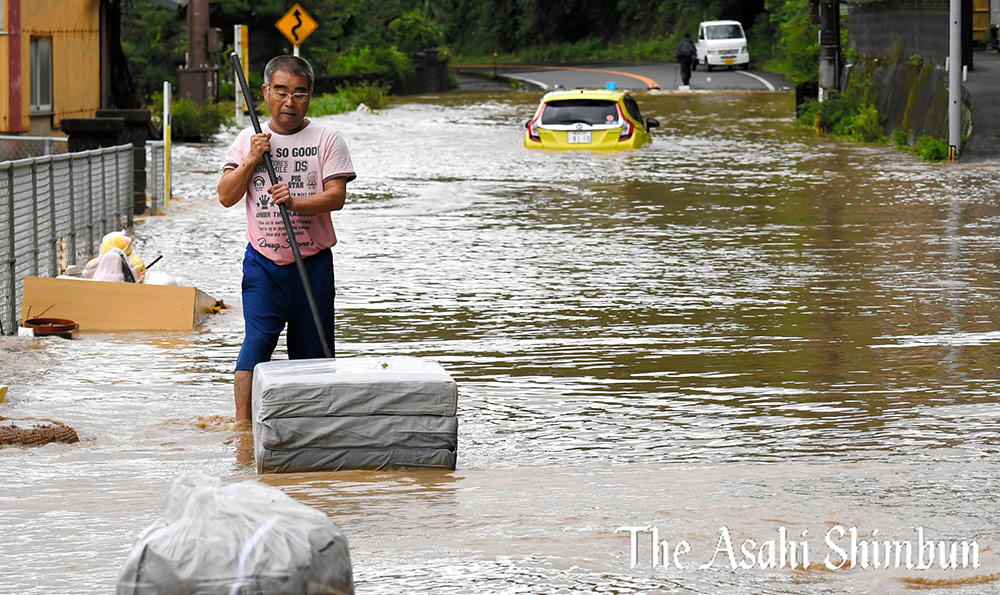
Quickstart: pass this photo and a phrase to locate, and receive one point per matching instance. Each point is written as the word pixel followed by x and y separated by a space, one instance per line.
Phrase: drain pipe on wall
pixel 955 80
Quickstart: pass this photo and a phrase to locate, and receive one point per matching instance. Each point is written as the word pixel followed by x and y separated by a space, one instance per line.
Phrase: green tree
pixel 414 32
pixel 465 23
pixel 568 21
pixel 154 39
pixel 266 41
pixel 797 47
pixel 780 35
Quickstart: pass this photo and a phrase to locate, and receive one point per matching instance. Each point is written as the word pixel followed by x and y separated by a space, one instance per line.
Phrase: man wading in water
pixel 313 167
pixel 686 54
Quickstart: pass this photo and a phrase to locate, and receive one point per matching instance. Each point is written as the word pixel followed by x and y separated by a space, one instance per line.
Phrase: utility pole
pixel 954 79
pixel 829 47
pixel 198 80
pixel 197 31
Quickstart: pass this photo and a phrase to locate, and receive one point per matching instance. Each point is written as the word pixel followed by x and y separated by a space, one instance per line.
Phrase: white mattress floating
pixel 353 413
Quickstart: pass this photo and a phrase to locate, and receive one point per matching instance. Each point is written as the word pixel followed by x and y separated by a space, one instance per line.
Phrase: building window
pixel 41 74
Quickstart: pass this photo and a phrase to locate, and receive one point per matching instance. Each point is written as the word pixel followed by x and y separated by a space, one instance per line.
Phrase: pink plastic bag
pixel 115 266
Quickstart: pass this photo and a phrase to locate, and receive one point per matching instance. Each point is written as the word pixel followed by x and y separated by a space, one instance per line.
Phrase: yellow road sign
pixel 296 24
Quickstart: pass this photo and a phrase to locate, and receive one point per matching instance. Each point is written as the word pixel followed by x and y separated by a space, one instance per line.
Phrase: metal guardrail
pixel 54 210
pixel 23 147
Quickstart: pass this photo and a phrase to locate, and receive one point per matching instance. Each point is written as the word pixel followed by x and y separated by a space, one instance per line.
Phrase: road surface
pixel 634 76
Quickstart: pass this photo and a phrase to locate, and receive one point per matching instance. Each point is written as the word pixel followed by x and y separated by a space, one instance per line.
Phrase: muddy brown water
pixel 740 331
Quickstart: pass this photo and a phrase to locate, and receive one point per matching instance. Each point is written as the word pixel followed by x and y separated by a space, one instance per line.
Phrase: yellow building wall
pixel 74 26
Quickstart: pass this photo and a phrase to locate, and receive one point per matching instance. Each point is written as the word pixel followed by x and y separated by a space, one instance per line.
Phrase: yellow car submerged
pixel 595 119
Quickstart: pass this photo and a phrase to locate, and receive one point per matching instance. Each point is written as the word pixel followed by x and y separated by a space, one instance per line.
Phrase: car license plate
pixel 579 136
pixel 730 61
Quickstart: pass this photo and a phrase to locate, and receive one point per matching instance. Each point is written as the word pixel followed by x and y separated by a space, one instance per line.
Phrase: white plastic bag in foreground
pixel 241 538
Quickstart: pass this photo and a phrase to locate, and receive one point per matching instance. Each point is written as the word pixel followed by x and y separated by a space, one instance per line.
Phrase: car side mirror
pixel 652 123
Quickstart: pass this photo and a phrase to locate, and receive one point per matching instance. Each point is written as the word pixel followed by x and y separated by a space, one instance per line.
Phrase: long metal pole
pixel 284 210
pixel 955 80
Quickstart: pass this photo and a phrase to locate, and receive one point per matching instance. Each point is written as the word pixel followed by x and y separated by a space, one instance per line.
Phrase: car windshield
pixel 585 111
pixel 724 32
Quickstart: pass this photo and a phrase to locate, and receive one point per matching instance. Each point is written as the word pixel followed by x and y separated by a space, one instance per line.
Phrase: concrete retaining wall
pixel 912 97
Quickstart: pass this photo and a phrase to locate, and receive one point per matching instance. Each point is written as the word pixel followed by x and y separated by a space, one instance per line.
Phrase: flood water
pixel 740 330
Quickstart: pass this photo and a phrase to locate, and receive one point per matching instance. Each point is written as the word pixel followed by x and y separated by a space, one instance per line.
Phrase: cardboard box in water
pixel 109 306
pixel 354 413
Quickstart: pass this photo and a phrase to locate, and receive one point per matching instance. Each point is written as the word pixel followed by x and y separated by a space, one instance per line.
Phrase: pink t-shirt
pixel 305 161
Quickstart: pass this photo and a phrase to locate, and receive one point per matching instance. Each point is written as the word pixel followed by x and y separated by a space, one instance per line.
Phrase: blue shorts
pixel 273 296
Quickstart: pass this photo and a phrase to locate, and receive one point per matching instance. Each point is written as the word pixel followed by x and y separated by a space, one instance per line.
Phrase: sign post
pixel 296 25
pixel 240 45
pixel 166 143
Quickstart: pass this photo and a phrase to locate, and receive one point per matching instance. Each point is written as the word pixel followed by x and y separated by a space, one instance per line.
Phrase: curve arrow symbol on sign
pixel 298 17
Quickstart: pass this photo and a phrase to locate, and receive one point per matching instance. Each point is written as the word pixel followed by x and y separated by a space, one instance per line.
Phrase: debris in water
pixel 34 432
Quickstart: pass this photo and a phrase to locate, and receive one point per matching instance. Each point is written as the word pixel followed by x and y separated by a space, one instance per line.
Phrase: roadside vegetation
pixel 364 50
pixel 194 123
pixel 191 122
pixel 840 116
pixel 928 147
pixel 369 41
pixel 347 99
pixel 851 115
pixel 854 116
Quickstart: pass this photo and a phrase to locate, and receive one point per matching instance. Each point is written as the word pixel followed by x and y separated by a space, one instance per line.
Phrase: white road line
pixel 769 86
pixel 541 84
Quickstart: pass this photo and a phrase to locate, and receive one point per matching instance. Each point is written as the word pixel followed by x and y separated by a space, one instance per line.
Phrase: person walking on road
pixel 313 167
pixel 686 55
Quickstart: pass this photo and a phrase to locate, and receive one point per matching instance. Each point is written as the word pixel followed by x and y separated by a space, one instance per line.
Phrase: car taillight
pixel 627 126
pixel 532 126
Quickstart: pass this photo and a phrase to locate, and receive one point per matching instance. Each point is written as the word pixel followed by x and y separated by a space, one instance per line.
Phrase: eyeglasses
pixel 284 95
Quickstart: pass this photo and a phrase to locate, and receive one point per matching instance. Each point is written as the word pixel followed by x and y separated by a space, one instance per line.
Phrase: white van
pixel 722 43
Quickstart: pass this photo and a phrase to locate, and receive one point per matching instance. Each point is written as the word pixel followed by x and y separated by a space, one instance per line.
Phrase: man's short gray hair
pixel 291 65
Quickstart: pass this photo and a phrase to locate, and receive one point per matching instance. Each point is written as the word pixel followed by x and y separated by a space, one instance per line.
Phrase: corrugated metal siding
pixel 76 47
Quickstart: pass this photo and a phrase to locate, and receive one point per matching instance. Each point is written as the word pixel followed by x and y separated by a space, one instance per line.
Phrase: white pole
pixel 819 87
pixel 955 80
pixel 295 50
pixel 166 143
pixel 238 46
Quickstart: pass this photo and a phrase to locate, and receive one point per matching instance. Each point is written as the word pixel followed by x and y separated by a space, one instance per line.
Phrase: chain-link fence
pixel 54 210
pixel 23 147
